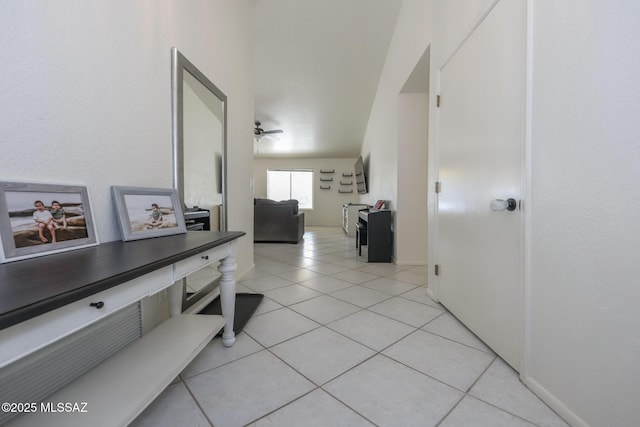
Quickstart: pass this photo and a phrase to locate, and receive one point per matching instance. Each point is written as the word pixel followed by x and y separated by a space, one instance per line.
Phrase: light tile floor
pixel 340 342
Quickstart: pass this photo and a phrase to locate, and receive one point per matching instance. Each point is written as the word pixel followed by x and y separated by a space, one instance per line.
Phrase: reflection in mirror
pixel 202 148
pixel 199 147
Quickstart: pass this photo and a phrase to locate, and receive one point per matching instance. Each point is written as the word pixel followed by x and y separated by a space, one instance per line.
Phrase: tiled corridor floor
pixel 339 342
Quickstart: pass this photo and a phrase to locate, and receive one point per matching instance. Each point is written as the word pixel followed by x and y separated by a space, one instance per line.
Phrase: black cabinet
pixel 374 231
pixel 197 219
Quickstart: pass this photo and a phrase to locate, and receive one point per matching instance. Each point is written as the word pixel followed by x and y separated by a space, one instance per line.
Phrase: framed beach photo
pixel 41 219
pixel 144 213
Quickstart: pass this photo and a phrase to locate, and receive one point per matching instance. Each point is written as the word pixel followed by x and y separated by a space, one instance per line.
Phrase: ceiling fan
pixel 259 133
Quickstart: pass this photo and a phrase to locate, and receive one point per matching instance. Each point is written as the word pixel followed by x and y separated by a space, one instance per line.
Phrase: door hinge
pixel 438 186
pixel 437 270
pixel 437 100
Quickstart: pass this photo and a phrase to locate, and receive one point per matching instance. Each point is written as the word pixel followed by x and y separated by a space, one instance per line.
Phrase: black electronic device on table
pixel 197 219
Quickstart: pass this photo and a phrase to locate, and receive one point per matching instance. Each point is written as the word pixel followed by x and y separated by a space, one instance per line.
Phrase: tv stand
pixel 350 217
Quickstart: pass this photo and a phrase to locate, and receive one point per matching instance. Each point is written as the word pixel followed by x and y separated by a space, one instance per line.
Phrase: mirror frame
pixel 180 64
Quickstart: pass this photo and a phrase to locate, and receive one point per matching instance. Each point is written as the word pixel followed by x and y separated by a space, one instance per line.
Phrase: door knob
pixel 500 205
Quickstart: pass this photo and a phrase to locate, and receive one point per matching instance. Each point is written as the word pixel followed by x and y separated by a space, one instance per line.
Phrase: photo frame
pixel 144 213
pixel 41 219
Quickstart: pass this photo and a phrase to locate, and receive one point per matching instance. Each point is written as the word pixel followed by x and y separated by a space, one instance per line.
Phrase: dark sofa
pixel 277 221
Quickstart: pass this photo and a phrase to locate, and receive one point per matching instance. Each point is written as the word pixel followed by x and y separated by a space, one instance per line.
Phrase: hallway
pixel 340 342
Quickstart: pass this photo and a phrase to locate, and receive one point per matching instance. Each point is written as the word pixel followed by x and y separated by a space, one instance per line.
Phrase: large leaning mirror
pixel 199 166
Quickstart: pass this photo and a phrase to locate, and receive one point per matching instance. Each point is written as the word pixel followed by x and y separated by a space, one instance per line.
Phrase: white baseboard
pixel 554 403
pixel 240 275
pixel 413 264
pixel 432 295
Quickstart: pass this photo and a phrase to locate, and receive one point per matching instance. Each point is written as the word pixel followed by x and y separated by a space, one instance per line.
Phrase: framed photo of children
pixel 148 212
pixel 41 219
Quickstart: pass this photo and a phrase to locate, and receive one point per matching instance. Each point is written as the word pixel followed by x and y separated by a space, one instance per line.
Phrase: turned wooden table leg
pixel 228 298
pixel 175 294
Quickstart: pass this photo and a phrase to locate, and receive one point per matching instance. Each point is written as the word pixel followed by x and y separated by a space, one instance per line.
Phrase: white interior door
pixel 481 134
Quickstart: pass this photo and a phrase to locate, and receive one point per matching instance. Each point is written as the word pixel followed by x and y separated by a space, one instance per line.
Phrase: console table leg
pixel 228 298
pixel 175 294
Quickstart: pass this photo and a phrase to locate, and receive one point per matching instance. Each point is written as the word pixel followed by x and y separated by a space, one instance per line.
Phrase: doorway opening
pixel 410 226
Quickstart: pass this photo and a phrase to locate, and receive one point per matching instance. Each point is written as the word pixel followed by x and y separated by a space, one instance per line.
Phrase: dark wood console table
pixel 44 301
pixel 35 286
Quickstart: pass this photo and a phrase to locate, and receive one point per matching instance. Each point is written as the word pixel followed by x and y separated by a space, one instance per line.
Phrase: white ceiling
pixel 318 63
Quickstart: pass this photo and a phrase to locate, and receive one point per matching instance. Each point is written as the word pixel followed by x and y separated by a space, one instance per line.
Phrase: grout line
pixel 285 405
pixel 227 363
pixel 333 241
pixel 453 408
pixel 195 400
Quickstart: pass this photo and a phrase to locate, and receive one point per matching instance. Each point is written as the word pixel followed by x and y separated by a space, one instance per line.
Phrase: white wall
pixel 585 225
pixel 411 216
pixel 327 204
pixel 403 172
pixel 86 94
pixel 388 170
pixel 582 203
pixel 415 32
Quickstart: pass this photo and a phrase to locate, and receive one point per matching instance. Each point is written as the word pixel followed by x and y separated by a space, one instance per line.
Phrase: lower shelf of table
pixel 120 388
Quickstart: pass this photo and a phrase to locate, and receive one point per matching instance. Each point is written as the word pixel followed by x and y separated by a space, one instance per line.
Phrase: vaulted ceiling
pixel 318 63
